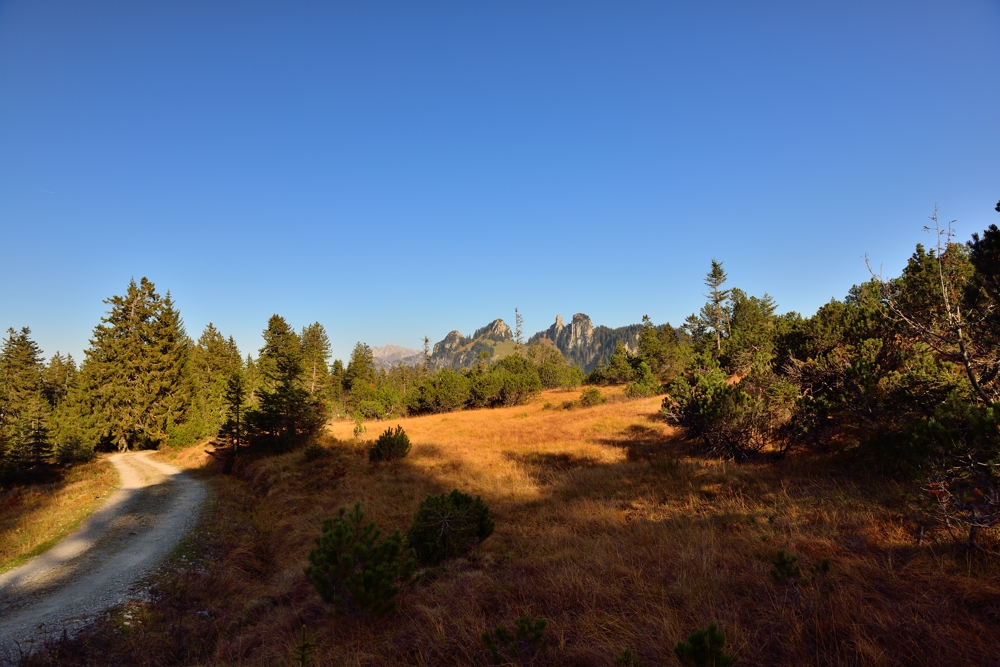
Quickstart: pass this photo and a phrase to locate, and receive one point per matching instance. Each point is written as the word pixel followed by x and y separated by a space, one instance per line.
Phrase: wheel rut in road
pixel 102 563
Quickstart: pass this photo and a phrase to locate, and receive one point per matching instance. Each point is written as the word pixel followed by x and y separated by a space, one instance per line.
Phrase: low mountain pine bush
pixel 518 647
pixel 592 396
pixel 703 648
pixel 391 445
pixel 353 566
pixel 448 525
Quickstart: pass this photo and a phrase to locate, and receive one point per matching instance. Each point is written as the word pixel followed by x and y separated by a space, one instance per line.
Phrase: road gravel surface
pixel 103 563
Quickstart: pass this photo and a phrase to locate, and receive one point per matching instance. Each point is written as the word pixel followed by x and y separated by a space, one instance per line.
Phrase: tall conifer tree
pixel 24 410
pixel 315 354
pixel 132 380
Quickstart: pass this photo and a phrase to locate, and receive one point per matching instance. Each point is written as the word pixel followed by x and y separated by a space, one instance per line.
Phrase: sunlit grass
pixel 33 518
pixel 608 524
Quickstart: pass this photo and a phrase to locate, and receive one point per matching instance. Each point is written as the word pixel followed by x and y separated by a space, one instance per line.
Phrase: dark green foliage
pixel 805 590
pixel 592 396
pixel 703 648
pixel 313 451
pixel 352 566
pixel 233 428
pixel 390 446
pixel 734 419
pixel 315 354
pixel 445 391
pixel 520 646
pixel 447 526
pixel 360 369
pixel 714 315
pixel 627 658
pixel 25 442
pixel 132 383
pixel 285 413
pixel 664 349
pixel 645 383
pixel 621 367
pixel 302 655
pixel 959 446
pixel 212 361
pixel 511 381
pixel 553 369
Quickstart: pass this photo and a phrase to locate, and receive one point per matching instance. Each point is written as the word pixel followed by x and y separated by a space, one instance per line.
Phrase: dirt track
pixel 101 563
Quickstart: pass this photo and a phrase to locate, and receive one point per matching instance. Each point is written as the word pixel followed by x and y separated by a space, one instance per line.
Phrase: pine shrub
pixel 627 658
pixel 645 385
pixel 313 451
pixel 703 648
pixel 352 566
pixel 391 445
pixel 518 647
pixel 592 396
pixel 448 525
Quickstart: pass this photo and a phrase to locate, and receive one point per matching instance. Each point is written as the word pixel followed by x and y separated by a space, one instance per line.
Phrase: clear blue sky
pixel 399 169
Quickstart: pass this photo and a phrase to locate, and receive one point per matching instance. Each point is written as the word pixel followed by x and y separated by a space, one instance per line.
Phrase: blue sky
pixel 395 170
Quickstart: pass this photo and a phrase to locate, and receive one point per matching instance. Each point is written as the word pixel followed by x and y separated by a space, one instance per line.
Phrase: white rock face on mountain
pixel 584 344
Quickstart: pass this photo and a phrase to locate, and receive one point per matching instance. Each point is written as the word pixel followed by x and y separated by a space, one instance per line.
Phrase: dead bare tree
pixel 947 328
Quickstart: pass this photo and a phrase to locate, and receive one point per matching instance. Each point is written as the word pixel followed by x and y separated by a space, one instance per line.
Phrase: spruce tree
pixel 24 410
pixel 315 354
pixel 132 379
pixel 212 362
pixel 361 368
pixel 713 314
pixel 58 378
pixel 284 410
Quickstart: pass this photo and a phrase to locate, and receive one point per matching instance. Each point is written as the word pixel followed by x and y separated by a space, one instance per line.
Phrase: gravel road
pixel 102 563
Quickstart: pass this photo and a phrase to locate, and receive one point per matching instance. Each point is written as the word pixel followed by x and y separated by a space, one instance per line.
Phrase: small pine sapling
pixel 448 525
pixel 359 425
pixel 391 445
pixel 519 647
pixel 703 648
pixel 313 451
pixel 592 396
pixel 628 658
pixel 303 651
pixel 353 566
pixel 805 590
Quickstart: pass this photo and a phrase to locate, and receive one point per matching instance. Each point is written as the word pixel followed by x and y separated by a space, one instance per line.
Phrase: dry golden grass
pixel 607 526
pixel 35 517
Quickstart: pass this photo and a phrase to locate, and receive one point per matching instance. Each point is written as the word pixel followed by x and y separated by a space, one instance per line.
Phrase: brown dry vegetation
pixel 607 525
pixel 35 517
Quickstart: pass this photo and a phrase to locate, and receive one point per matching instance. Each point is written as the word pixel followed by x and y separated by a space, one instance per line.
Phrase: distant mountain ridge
pixel 583 344
pixel 580 341
pixel 390 355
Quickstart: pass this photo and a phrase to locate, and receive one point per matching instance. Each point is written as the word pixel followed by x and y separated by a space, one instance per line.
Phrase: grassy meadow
pixel 608 525
pixel 35 517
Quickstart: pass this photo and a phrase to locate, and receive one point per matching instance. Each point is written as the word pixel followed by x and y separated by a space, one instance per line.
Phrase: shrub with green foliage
pixel 645 384
pixel 592 396
pixel 445 391
pixel 959 447
pixel 627 658
pixel 518 647
pixel 313 451
pixel 512 381
pixel 805 590
pixel 352 566
pixel 733 420
pixel 391 445
pixel 448 525
pixel 703 648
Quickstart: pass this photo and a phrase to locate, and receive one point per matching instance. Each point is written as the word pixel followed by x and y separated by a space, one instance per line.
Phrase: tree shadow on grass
pixel 645 443
pixel 546 468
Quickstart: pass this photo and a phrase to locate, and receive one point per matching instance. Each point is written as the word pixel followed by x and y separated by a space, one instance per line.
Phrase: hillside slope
pixel 607 524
